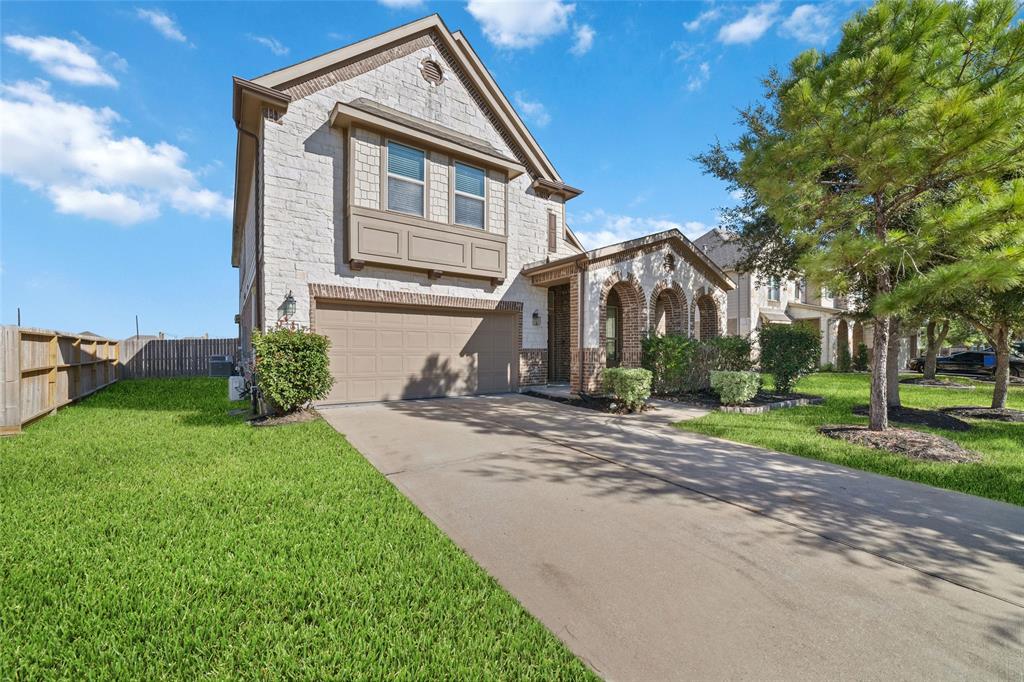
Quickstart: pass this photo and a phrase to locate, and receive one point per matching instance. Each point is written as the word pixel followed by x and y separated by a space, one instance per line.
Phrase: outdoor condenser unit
pixel 221 365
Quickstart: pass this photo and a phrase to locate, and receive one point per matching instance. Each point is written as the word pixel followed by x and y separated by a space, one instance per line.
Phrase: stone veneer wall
pixel 304 183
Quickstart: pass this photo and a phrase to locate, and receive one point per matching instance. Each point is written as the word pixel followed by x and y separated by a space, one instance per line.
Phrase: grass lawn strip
pixel 999 475
pixel 147 534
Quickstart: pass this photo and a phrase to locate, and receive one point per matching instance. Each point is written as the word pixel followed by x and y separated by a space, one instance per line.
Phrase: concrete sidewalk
pixel 658 554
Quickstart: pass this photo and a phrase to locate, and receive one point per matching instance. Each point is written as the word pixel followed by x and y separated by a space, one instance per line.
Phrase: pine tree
pixel 847 152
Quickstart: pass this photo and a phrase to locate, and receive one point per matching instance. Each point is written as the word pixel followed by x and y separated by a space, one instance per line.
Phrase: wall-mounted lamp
pixel 536 318
pixel 286 309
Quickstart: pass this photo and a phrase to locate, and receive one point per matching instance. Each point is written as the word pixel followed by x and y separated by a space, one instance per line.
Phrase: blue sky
pixel 118 145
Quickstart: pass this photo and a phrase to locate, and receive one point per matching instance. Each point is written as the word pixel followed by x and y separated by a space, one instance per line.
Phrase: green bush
pixel 734 388
pixel 860 360
pixel 789 352
pixel 291 367
pixel 630 385
pixel 827 367
pixel 683 365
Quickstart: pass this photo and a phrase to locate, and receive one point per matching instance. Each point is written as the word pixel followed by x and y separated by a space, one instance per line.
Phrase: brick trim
pixel 634 317
pixel 705 303
pixel 533 366
pixel 339 293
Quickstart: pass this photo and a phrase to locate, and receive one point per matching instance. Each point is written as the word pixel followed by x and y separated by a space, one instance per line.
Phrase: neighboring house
pixel 752 304
pixel 392 189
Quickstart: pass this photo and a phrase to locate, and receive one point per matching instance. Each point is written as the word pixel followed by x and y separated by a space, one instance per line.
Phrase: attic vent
pixel 669 263
pixel 431 71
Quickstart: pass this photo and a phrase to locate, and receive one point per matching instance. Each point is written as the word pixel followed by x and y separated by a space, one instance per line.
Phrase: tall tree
pixel 919 96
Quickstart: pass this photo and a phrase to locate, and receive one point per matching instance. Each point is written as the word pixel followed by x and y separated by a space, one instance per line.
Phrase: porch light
pixel 536 318
pixel 286 309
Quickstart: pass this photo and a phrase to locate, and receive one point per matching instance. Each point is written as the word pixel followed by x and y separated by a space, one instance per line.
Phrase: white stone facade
pixel 304 164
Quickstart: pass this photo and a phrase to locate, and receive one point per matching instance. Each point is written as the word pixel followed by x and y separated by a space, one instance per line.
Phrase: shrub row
pixel 682 365
pixel 630 385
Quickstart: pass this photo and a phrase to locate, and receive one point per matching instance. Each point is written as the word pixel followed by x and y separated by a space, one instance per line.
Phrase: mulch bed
pixel 937 383
pixel 1003 414
pixel 297 417
pixel 913 444
pixel 599 403
pixel 912 415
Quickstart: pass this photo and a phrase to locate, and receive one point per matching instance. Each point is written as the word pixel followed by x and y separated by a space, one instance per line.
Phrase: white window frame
pixel 456 192
pixel 388 174
pixel 774 286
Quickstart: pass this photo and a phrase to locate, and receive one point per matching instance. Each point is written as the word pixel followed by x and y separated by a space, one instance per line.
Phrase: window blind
pixel 469 196
pixel 405 179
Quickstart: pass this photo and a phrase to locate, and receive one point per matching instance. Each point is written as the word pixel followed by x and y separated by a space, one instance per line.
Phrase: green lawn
pixel 1000 475
pixel 146 534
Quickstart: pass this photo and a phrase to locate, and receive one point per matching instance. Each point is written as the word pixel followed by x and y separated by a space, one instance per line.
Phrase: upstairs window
pixel 773 289
pixel 405 179
pixel 469 196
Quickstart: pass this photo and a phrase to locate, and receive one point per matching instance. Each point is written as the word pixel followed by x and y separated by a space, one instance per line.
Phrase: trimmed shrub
pixel 734 388
pixel 684 365
pixel 788 352
pixel 291 367
pixel 630 385
pixel 860 360
pixel 843 359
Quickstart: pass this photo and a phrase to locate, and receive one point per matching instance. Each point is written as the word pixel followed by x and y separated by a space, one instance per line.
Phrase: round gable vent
pixel 432 71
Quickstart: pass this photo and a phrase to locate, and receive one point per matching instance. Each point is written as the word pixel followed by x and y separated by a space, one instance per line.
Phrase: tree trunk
pixel 1000 339
pixel 879 410
pixel 892 364
pixel 935 341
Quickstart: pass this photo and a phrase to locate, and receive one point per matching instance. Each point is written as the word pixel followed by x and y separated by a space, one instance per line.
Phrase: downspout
pixel 258 237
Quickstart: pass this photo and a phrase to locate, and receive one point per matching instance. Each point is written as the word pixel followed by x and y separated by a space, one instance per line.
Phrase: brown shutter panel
pixel 552 232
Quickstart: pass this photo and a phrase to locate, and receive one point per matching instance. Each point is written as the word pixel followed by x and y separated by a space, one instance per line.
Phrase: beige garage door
pixel 391 353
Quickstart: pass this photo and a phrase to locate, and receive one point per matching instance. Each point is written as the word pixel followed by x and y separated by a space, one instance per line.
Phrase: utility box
pixel 236 388
pixel 221 366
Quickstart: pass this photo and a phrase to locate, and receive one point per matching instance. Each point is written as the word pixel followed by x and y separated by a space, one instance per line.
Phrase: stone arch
pixel 634 312
pixel 704 316
pixel 668 309
pixel 858 336
pixel 843 344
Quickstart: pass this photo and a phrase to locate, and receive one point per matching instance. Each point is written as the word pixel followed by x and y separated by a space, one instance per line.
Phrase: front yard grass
pixel 1000 474
pixel 146 534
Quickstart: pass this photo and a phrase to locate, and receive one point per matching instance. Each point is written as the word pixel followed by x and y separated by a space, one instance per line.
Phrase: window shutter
pixel 552 232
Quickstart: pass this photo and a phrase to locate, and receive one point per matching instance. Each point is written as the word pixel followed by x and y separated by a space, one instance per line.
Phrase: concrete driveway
pixel 657 554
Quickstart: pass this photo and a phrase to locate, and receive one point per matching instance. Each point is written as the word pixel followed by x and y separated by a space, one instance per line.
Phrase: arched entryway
pixel 858 336
pixel 622 321
pixel 668 312
pixel 706 317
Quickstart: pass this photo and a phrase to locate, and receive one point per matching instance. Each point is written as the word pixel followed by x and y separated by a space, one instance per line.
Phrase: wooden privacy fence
pixel 147 357
pixel 42 370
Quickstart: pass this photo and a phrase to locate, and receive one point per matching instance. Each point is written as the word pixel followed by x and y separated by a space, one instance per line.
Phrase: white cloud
pixel 163 23
pixel 112 207
pixel 703 18
pixel 272 44
pixel 61 59
pixel 584 40
pixel 600 228
pixel 699 79
pixel 751 26
pixel 86 169
pixel 518 23
pixel 808 24
pixel 400 4
pixel 533 111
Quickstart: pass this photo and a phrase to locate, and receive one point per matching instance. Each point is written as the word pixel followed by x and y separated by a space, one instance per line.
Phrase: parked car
pixel 970 362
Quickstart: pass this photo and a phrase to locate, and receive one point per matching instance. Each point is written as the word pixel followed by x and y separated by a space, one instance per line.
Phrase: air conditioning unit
pixel 221 365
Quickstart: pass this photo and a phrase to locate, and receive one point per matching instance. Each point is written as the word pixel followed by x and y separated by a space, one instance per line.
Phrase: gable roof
pixel 721 246
pixel 460 53
pixel 683 246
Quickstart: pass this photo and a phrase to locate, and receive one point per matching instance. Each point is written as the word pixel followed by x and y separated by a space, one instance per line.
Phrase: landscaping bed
pixel 916 444
pixel 599 403
pixel 1003 414
pixel 146 533
pixel 763 401
pixel 937 383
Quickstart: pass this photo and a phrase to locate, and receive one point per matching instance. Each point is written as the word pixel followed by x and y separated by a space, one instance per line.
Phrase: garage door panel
pixel 389 353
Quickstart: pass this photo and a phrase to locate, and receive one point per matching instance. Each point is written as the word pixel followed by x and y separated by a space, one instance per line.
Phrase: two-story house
pixel 753 303
pixel 391 190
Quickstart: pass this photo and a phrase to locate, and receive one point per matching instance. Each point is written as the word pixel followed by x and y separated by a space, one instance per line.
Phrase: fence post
pixel 10 380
